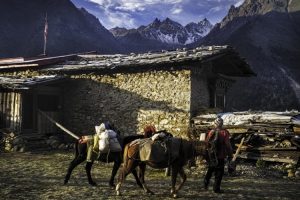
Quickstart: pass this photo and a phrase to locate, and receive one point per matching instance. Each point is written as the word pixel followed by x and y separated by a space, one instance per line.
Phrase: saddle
pixel 161 150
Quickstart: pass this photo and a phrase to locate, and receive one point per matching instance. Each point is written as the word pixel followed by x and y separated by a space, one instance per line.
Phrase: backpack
pixel 108 142
pixel 212 149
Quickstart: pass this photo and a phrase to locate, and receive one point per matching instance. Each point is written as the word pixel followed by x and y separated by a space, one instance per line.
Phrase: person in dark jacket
pixel 223 149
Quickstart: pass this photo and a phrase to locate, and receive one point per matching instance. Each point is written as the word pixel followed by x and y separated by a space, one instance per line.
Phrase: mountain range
pixel 167 31
pixel 73 30
pixel 267 34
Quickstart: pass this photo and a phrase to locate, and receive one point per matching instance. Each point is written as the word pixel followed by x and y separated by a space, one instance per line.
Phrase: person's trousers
pixel 219 172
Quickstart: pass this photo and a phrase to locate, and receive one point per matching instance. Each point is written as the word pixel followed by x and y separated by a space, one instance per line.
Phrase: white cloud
pixel 133 13
pixel 215 9
pixel 134 5
pixel 121 20
pixel 177 11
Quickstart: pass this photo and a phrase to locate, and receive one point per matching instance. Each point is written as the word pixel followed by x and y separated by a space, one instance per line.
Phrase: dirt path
pixel 40 176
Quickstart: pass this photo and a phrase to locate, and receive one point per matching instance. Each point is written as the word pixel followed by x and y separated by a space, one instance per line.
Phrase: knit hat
pixel 108 125
pixel 218 122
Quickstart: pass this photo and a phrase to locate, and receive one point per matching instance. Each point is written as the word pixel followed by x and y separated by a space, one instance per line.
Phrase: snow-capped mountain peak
pixel 170 32
pixel 198 30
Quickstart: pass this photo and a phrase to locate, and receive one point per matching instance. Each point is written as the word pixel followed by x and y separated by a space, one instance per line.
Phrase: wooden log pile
pixel 269 136
pixel 16 142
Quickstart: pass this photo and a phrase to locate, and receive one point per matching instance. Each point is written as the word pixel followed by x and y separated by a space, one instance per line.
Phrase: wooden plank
pixel 46 126
pixel 244 148
pixel 11 101
pixel 11 60
pixel 11 110
pixel 14 111
pixel 20 111
pixel 7 110
pixel 238 149
pixel 60 126
pixel 282 160
pixel 1 111
pixel 17 112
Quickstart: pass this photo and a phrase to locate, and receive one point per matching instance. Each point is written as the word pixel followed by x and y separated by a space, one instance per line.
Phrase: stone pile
pixel 15 142
pixel 11 142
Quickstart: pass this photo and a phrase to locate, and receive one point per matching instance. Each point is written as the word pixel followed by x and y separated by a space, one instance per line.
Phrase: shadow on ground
pixel 40 176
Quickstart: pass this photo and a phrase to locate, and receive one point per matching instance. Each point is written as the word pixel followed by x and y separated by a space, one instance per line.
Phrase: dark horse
pixel 116 157
pixel 187 150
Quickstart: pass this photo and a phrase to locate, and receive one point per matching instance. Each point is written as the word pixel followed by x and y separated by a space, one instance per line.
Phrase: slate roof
pixel 23 83
pixel 225 60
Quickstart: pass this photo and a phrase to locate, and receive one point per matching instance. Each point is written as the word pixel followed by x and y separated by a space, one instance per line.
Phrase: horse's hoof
pixel 65 182
pixel 150 192
pixel 111 184
pixel 175 196
pixel 93 183
pixel 118 193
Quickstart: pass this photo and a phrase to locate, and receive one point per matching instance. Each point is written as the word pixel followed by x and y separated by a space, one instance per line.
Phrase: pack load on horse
pixel 160 151
pixel 115 157
pixel 104 141
pixel 155 147
pixel 85 150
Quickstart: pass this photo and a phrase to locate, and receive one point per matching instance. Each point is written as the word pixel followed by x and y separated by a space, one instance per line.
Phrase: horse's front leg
pixel 183 176
pixel 114 171
pixel 142 167
pixel 88 169
pixel 128 167
pixel 173 178
pixel 137 179
pixel 76 161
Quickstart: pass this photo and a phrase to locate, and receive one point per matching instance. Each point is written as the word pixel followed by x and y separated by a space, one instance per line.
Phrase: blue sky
pixel 134 13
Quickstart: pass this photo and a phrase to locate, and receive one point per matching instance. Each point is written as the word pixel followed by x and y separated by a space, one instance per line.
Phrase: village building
pixel 165 89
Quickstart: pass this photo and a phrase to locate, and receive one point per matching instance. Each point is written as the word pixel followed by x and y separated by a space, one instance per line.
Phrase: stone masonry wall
pixel 199 92
pixel 130 101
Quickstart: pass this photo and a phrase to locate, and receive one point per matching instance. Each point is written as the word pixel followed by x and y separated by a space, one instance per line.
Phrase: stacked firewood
pixel 269 136
pixel 11 141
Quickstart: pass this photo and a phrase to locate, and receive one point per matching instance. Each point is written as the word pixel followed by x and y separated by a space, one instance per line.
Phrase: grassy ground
pixel 40 176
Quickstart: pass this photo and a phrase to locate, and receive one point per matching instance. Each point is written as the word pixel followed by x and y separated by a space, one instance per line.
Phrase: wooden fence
pixel 10 110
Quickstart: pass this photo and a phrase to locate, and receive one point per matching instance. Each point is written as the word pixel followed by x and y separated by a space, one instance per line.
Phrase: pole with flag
pixel 45 34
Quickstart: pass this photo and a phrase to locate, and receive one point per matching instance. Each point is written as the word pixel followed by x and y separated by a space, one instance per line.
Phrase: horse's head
pixel 149 130
pixel 199 148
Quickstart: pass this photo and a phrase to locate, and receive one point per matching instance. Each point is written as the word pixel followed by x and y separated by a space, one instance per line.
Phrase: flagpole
pixel 45 34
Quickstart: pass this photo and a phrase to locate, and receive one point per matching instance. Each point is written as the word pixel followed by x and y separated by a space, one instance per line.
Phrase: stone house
pixel 165 89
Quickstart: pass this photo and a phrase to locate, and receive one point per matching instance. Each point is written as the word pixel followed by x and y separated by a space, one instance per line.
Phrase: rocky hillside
pixel 267 34
pixel 163 34
pixel 134 41
pixel 70 29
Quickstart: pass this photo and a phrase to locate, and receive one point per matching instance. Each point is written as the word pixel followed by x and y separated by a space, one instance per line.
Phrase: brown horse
pixel 115 157
pixel 187 150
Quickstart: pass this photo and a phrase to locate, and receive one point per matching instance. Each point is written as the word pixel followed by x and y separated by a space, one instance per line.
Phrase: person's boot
pixel 217 185
pixel 219 191
pixel 205 184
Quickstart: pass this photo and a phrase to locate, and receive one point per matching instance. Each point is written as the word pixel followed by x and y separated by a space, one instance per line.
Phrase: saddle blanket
pixel 158 151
